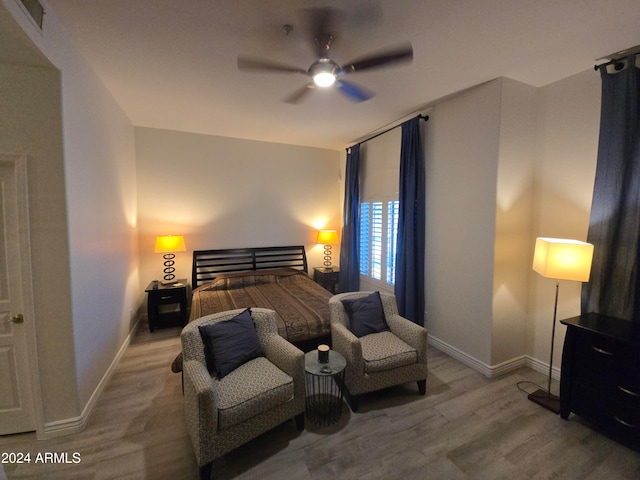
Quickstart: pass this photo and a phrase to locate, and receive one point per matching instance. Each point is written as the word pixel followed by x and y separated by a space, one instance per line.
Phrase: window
pixel 378 232
pixel 375 239
pixel 379 184
pixel 392 239
pixel 365 221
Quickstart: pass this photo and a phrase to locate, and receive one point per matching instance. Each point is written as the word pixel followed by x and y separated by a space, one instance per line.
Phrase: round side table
pixel 323 381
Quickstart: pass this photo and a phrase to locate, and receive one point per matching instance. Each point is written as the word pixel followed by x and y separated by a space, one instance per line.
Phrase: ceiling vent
pixel 35 11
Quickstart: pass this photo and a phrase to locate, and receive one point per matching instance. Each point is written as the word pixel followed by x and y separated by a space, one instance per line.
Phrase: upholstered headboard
pixel 207 264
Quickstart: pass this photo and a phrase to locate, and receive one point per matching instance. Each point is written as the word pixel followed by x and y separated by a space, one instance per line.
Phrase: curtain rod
pixel 423 117
pixel 615 61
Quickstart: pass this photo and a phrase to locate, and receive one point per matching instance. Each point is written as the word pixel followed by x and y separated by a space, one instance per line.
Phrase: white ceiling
pixel 171 64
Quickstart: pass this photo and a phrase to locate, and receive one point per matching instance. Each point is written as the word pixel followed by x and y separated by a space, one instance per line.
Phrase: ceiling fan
pixel 324 72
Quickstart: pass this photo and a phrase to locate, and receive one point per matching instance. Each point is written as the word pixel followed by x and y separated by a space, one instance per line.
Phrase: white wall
pixel 83 211
pixel 513 229
pixel 569 122
pixel 101 207
pixel 461 148
pixel 506 162
pixel 223 192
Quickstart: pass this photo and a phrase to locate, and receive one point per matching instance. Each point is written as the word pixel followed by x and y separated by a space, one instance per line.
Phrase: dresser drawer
pixel 166 298
pixel 628 369
pixel 596 358
pixel 591 401
pixel 627 407
pixel 624 430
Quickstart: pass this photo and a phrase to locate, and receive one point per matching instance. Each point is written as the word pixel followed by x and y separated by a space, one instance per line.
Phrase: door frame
pixel 20 161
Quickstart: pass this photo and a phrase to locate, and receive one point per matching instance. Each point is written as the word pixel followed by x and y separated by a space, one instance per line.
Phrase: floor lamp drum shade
pixel 168 245
pixel 563 259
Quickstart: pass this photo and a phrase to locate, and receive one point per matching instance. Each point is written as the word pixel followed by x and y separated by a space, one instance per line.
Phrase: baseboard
pixel 69 426
pixel 461 356
pixel 543 367
pixel 492 371
pixel 60 428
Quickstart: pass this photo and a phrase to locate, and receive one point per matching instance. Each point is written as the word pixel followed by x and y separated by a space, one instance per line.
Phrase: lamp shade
pixel 170 244
pixel 327 237
pixel 563 259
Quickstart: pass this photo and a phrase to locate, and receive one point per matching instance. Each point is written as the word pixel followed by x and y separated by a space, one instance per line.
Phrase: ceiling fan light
pixel 324 79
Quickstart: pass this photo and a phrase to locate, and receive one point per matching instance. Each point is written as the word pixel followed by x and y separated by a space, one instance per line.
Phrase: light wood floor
pixel 466 427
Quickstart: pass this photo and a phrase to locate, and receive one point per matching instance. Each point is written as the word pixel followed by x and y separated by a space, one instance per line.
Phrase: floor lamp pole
pixel 553 336
pixel 542 398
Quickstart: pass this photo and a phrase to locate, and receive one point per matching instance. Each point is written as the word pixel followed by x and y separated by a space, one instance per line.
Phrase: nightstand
pixel 328 278
pixel 167 303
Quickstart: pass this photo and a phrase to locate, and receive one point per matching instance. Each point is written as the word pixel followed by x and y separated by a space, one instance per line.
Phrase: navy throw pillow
pixel 230 343
pixel 366 315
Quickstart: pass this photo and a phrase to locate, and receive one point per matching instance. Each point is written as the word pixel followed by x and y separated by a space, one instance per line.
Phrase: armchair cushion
pixel 366 315
pixel 251 389
pixel 230 343
pixel 384 351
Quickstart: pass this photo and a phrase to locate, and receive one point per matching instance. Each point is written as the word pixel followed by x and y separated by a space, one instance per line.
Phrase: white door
pixel 16 398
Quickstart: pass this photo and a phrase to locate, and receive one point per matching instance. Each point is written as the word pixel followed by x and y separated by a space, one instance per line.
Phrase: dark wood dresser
pixel 600 379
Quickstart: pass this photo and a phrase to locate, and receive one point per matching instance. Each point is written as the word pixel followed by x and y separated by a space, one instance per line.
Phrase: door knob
pixel 19 318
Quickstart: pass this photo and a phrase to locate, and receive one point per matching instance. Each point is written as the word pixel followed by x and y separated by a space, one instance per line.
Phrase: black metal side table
pixel 323 392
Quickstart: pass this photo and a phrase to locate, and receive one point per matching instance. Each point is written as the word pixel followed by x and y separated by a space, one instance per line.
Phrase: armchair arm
pixel 284 355
pixel 410 333
pixel 347 344
pixel 288 358
pixel 201 412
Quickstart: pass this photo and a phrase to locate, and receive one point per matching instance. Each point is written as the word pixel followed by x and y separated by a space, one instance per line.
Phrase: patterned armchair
pixel 379 360
pixel 222 414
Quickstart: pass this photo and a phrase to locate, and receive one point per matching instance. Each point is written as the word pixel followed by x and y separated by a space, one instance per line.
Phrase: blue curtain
pixel 409 286
pixel 614 226
pixel 349 252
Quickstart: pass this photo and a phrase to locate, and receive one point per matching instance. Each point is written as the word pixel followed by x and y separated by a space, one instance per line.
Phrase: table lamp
pixel 168 245
pixel 327 238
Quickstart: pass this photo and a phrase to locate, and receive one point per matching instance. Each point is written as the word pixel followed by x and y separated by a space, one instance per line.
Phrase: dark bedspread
pixel 301 305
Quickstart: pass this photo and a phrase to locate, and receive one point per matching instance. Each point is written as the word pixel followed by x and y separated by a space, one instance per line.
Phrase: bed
pixel 268 277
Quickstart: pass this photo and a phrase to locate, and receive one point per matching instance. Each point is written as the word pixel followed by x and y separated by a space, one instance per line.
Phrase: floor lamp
pixel 563 260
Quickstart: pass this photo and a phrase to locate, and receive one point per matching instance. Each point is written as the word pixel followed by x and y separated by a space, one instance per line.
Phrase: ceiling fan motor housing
pixel 324 72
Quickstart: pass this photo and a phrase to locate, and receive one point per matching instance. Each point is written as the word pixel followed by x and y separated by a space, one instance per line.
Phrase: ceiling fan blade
pixel 299 95
pixel 353 91
pixel 257 65
pixel 321 23
pixel 384 58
